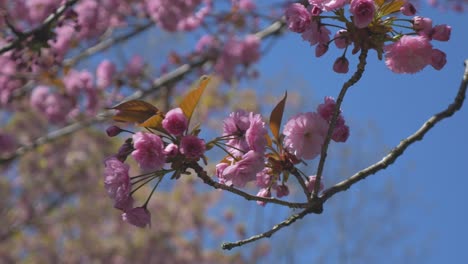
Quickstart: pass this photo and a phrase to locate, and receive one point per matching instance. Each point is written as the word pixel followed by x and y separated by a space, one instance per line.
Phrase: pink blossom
pixel 256 133
pixel 177 15
pixel 304 135
pixel 264 178
pixel 316 34
pixel 265 193
pixel 363 12
pixel 282 190
pixel 135 67
pixel 328 5
pixel 408 9
pixel 250 49
pixel 243 171
pixel 56 107
pixel 438 59
pixel 192 147
pixel 149 151
pixel 230 57
pixel 326 109
pixel 341 39
pixel 78 81
pixel 441 32
pixel 220 167
pixel 104 73
pixel 311 183
pixel 247 5
pixel 340 133
pixel 138 216
pixel 175 122
pixel 205 42
pixel 297 17
pixel 235 127
pixel 117 180
pixel 63 40
pixel 423 25
pixel 341 65
pixel 38 97
pixel 409 54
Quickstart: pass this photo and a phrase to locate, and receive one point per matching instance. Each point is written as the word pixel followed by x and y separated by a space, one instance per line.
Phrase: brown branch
pixel 45 25
pixel 405 143
pixel 107 43
pixel 269 233
pixel 355 78
pixel 201 173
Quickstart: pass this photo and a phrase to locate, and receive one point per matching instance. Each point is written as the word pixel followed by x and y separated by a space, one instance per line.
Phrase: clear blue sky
pixel 434 171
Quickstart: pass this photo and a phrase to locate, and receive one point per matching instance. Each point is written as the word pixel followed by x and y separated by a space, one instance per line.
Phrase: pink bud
pixel 441 32
pixel 175 122
pixel 321 49
pixel 113 131
pixel 297 17
pixel 408 9
pixel 341 65
pixel 363 12
pixel 138 216
pixel 341 39
pixel 422 25
pixel 438 59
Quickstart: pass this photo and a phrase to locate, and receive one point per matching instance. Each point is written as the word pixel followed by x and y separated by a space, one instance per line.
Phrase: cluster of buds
pixel 372 24
pixel 252 154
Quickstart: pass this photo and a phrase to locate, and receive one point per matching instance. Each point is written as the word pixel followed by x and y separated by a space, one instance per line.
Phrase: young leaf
pixel 190 101
pixel 154 122
pixel 134 111
pixel 276 116
pixel 392 7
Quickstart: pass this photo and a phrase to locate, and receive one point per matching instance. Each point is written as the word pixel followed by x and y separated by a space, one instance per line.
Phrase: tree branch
pixel 269 233
pixel 405 143
pixel 201 173
pixel 47 23
pixel 355 78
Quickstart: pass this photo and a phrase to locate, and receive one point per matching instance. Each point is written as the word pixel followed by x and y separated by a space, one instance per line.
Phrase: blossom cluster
pixel 371 25
pixel 172 146
pixel 252 156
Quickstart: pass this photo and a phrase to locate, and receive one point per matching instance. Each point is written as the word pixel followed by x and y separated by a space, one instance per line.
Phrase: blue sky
pixel 433 171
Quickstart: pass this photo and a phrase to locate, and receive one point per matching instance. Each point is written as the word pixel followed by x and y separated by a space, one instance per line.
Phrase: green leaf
pixel 134 111
pixel 190 101
pixel 276 117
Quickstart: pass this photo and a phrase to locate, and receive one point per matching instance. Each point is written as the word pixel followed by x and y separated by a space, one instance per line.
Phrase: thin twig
pixel 355 78
pixel 201 173
pixel 405 143
pixel 47 23
pixel 107 43
pixel 269 233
